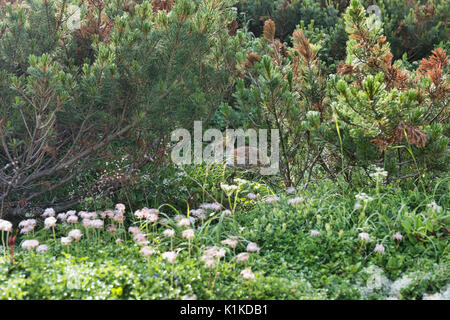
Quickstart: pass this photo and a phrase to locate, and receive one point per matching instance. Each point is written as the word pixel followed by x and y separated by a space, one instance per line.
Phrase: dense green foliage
pixel 64 100
pixel 292 263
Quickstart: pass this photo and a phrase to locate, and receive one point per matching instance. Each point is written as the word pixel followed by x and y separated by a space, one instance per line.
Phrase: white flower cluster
pixel 295 201
pixel 211 206
pixel 364 197
pixel 199 213
pixel 229 189
pixel 252 196
pixel 434 206
pixel 240 181
pixel 379 173
pixel 272 199
pixel 291 190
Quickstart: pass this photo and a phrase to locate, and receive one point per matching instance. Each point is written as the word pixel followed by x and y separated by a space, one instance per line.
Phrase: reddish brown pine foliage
pixel 232 28
pixel 269 30
pixel 395 78
pixel 381 142
pixel 251 59
pixel 433 67
pixel 165 5
pixel 92 25
pixel 414 135
pixel 281 48
pixel 302 46
pixel 343 69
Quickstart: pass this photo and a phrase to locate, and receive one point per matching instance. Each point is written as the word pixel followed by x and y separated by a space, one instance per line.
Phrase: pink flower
pixel 133 230
pixel 42 249
pixel 50 222
pixel 252 247
pixel 184 222
pixel 364 236
pixel 315 233
pixel 65 241
pixel 197 213
pixel 230 242
pixel 27 223
pixel 84 215
pixel 86 223
pixel 139 214
pixel 97 223
pixel 220 253
pixel 397 236
pixel 169 233
pixel 209 261
pixel 242 256
pixel 247 274
pixel 92 215
pixel 119 217
pixel 152 217
pixel 75 234
pixel 211 206
pixel 147 251
pixel 379 248
pixel 49 212
pixel 30 244
pixel 108 213
pixel 291 190
pixel 120 207
pixel 140 238
pixel 188 234
pixel 170 256
pixel 26 230
pixel 5 226
pixel 72 219
pixel 81 214
pixel 358 206
pixel 215 252
pixel 227 213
